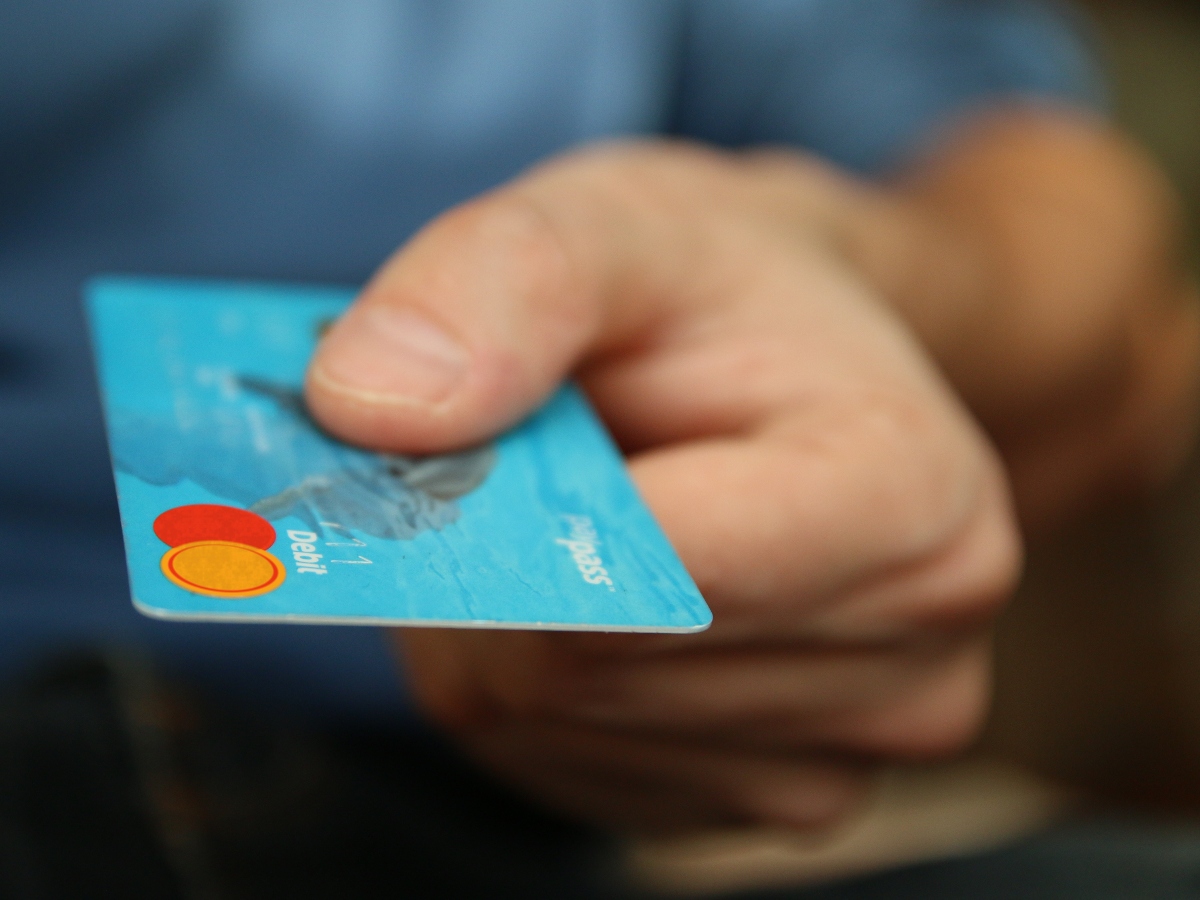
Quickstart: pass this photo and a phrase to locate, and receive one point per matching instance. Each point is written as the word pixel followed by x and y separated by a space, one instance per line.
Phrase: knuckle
pixel 818 801
pixel 451 712
pixel 945 521
pixel 525 248
pixel 833 808
pixel 558 691
pixel 672 184
pixel 450 705
pixel 534 678
pixel 942 721
pixel 967 582
pixel 991 568
pixel 475 680
pixel 918 467
pixel 933 473
pixel 520 241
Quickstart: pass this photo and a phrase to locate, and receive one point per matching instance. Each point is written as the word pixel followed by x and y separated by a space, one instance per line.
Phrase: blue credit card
pixel 237 507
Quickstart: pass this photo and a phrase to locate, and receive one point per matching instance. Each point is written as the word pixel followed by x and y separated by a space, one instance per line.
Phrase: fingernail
pixel 391 355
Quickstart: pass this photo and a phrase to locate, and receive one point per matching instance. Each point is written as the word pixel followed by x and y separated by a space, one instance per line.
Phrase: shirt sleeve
pixel 864 82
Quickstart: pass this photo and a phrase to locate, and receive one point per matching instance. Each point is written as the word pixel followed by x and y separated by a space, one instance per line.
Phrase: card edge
pixel 163 615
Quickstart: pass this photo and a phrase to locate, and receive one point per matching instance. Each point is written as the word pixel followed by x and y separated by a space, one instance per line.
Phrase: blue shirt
pixel 301 139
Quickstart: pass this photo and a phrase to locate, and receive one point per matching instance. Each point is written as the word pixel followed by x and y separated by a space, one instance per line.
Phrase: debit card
pixel 236 506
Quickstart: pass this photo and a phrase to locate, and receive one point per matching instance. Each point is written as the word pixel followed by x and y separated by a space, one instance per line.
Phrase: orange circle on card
pixel 213 522
pixel 223 569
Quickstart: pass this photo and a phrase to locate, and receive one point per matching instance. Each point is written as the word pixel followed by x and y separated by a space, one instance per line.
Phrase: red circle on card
pixel 213 522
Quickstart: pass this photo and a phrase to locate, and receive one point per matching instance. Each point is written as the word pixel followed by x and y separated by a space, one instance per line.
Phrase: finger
pixel 918 703
pixel 869 642
pixel 945 595
pixel 928 715
pixel 473 323
pixel 939 718
pixel 660 785
pixel 913 701
pixel 467 679
pixel 440 671
pixel 785 521
pixel 757 695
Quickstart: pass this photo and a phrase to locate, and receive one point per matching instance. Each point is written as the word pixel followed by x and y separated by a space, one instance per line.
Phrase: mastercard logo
pixel 219 551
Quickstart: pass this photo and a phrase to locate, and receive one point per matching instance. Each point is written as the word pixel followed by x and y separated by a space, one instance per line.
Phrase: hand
pixel 847 522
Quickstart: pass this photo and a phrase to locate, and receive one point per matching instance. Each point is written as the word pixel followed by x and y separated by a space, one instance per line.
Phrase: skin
pixel 830 392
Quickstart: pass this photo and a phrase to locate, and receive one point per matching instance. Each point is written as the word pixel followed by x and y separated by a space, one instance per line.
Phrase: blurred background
pixel 1099 678
pixel 1152 48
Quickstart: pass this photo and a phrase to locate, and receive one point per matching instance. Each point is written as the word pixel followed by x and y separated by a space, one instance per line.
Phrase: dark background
pixel 1099 671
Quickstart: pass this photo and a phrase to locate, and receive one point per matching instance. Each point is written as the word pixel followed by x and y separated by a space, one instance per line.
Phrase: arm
pixel 763 335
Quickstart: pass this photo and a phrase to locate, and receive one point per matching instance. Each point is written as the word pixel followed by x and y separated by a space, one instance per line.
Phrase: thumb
pixel 474 322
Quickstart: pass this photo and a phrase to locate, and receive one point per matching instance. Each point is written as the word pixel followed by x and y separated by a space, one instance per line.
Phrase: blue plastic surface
pixel 201 388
